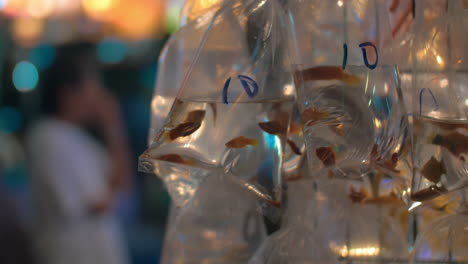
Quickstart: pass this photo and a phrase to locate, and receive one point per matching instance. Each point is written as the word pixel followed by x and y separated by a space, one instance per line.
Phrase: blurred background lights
pixel 42 56
pixel 2 3
pixel 98 9
pixel 25 76
pixel 10 120
pixel 27 31
pixel 40 9
pixel 96 5
pixel 112 50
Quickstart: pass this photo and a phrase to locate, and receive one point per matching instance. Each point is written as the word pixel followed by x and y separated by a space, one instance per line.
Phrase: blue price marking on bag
pixel 364 54
pixel 225 90
pixel 249 85
pixel 345 56
pixel 421 93
pixel 246 82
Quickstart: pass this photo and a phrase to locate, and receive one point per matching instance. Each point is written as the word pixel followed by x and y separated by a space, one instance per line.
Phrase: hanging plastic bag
pixel 440 119
pixel 233 110
pixel 440 109
pixel 350 99
pixel 355 126
pixel 173 63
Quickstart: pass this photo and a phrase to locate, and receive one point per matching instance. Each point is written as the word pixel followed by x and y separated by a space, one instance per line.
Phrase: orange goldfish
pixel 273 127
pixel 183 130
pixel 326 155
pixel 433 170
pixel 311 115
pixel 455 142
pixel 428 193
pixel 324 73
pixel 294 147
pixel 174 158
pixel 195 116
pixel 241 142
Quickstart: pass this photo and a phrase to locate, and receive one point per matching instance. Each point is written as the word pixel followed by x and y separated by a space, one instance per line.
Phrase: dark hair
pixel 71 64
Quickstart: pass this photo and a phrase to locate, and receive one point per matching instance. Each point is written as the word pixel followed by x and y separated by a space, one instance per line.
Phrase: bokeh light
pixel 27 31
pixel 25 76
pixel 97 5
pixel 10 120
pixel 172 20
pixel 42 56
pixel 98 9
pixel 2 4
pixel 112 50
pixel 40 9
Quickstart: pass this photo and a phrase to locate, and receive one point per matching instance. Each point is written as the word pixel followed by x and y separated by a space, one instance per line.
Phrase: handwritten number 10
pixel 251 87
pixel 364 55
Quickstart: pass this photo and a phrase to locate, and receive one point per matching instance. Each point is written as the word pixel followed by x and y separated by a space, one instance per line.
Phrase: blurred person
pixel 75 180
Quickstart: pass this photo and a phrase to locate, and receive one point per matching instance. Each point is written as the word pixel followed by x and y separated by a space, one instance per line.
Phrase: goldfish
pixel 295 128
pixel 391 162
pixel 326 155
pixel 357 196
pixel 338 129
pixel 433 170
pixel 310 116
pixel 191 124
pixel 428 193
pixel 387 199
pixel 195 116
pixel 240 142
pixel 273 127
pixel 455 142
pixel 294 177
pixel 324 73
pixel 294 147
pixel 174 158
pixel 183 130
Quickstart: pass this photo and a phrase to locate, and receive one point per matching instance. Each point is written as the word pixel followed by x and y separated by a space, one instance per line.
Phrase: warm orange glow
pixel 14 7
pixel 40 8
pixel 99 9
pixel 27 31
pixel 138 21
pixel 96 5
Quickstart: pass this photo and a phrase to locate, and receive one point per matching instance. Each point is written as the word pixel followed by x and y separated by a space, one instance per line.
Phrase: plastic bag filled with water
pixel 348 87
pixel 233 110
pixel 440 106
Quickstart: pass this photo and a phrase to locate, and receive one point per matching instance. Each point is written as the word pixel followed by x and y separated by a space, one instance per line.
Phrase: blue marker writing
pixel 249 85
pixel 364 54
pixel 345 56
